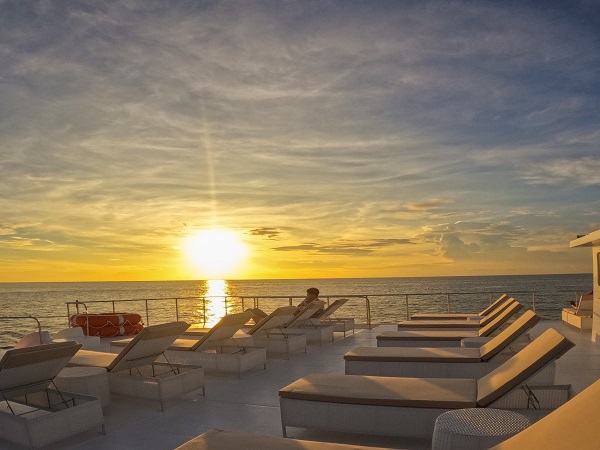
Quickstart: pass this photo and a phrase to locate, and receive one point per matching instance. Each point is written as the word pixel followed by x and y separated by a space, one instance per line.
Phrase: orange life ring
pixel 110 330
pixel 108 324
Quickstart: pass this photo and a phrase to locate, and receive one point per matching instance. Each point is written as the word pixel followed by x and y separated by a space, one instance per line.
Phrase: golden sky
pixel 319 139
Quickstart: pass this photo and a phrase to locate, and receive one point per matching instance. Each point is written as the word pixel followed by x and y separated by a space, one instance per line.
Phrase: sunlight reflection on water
pixel 216 292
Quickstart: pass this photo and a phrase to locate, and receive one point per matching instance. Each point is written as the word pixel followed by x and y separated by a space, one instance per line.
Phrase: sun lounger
pixel 316 331
pixel 501 301
pixel 562 428
pixel 457 362
pixel 29 409
pixel 216 439
pixel 217 351
pixel 138 369
pixel 460 324
pixel 581 316
pixel 448 337
pixel 340 324
pixel 409 406
pixel 271 334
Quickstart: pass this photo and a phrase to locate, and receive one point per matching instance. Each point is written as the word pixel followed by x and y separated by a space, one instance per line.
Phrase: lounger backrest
pixel 512 332
pixel 147 345
pixel 492 326
pixel 494 305
pixel 585 305
pixel 31 369
pixel 306 313
pixel 573 425
pixel 224 329
pixel 276 319
pixel 549 346
pixel 332 308
pixel 497 312
pixel 257 314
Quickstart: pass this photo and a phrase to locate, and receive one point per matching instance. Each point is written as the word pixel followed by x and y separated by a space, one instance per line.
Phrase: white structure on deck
pixel 593 240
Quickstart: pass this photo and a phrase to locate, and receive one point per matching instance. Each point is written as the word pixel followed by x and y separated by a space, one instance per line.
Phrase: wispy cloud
pixel 345 248
pixel 583 172
pixel 427 205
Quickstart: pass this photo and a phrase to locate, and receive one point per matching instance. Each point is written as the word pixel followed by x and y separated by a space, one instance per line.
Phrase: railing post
pixel 533 301
pixel 448 301
pixel 407 313
pixel 176 310
pixel 147 314
pixel 39 325
pixel 368 305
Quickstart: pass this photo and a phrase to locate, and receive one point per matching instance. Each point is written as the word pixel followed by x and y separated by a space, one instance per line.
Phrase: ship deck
pixel 251 404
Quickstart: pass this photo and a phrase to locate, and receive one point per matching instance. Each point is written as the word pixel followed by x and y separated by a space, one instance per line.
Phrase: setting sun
pixel 216 253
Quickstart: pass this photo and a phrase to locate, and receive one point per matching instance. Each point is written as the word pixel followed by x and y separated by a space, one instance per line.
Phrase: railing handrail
pixel 227 299
pixel 39 325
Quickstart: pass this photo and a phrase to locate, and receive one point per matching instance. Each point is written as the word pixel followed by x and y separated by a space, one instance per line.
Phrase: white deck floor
pixel 252 403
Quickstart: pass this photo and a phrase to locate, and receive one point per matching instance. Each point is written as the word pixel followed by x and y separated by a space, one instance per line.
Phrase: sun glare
pixel 216 253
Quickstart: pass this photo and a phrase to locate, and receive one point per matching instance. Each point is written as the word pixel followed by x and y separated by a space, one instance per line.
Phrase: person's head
pixel 312 292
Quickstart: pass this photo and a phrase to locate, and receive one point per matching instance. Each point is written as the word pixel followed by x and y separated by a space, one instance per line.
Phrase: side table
pixel 85 380
pixel 476 428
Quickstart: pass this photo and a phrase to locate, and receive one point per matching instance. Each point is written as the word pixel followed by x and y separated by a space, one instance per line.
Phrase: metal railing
pixel 39 325
pixel 198 308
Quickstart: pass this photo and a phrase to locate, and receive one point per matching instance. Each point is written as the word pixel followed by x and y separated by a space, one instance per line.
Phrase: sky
pixel 319 138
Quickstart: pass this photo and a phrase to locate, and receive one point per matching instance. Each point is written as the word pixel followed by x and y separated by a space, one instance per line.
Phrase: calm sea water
pixel 390 299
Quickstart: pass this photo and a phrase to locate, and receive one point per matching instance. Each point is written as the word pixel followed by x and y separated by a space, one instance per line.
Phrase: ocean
pixel 386 300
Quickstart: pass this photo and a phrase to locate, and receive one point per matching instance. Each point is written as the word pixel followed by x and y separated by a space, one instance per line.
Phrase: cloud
pixel 434 203
pixel 271 233
pixel 17 242
pixel 583 172
pixel 6 230
pixel 346 248
pixel 531 212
